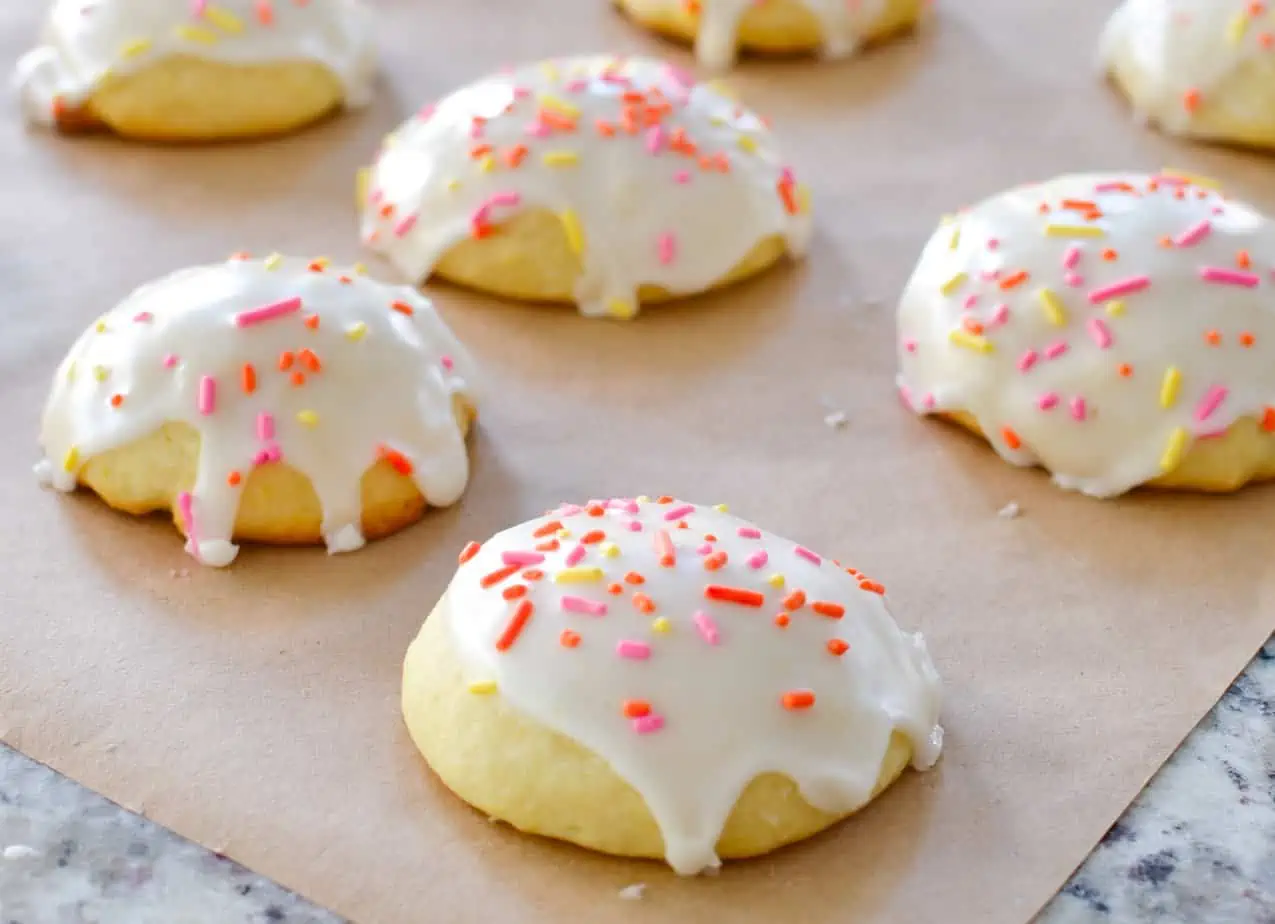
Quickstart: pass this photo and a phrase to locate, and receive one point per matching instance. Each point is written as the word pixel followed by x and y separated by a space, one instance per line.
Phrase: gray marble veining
pixel 1197 847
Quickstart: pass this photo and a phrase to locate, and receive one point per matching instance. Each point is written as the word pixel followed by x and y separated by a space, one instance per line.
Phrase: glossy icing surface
pixel 1188 48
pixel 656 179
pixel 1097 325
pixel 693 652
pixel 271 360
pixel 85 40
pixel 843 23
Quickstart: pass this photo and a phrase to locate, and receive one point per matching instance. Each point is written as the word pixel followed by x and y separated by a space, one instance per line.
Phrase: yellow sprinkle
pixel 1194 178
pixel 1236 28
pixel 721 508
pixel 716 121
pixel 71 461
pixel 223 19
pixel 776 581
pixel 1116 308
pixel 560 105
pixel 642 499
pixel 487 164
pixel 964 338
pixel 453 184
pixel 100 373
pixel 1074 231
pixel 560 158
pixel 747 143
pixel 564 534
pixel 482 687
pixel 571 226
pixel 272 262
pixel 550 70
pixel 956 238
pixel 138 46
pixel 1173 450
pixel 946 220
pixel 362 180
pixel 660 625
pixel 578 576
pixel 307 418
pixel 70 373
pixel 611 550
pixel 360 269
pixel 100 327
pixel 1169 387
pixel 721 88
pixel 356 331
pixel 621 309
pixel 1053 307
pixel 198 34
pixel 803 198
pixel 949 287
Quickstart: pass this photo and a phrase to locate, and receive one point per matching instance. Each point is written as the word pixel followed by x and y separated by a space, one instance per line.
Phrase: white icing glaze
pixel 1107 390
pixel 645 206
pixel 340 372
pixel 1188 48
pixel 713 673
pixel 843 23
pixel 84 40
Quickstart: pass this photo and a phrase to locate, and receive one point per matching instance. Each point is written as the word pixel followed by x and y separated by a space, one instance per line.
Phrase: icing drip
pixel 843 23
pixel 1187 49
pixel 694 652
pixel 270 360
pixel 85 40
pixel 655 180
pixel 1096 325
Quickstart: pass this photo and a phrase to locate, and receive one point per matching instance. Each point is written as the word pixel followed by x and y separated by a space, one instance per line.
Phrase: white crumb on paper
pixel 1009 511
pixel 20 852
pixel 836 420
pixel 632 893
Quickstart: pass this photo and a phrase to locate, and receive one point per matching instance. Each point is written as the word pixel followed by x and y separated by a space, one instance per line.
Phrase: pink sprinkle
pixel 186 509
pixel 758 558
pixel 580 605
pixel 654 138
pixel 1075 280
pixel 970 301
pixel 1170 180
pixel 1000 314
pixel 197 7
pixel 575 555
pixel 425 111
pixel 404 226
pixel 705 549
pixel 170 360
pixel 1110 187
pixel 648 724
pixel 268 312
pixel 678 512
pixel 1117 289
pixel 1212 399
pixel 808 555
pixel 1071 257
pixel 786 176
pixel 1078 407
pixel 476 129
pixel 375 196
pixel 682 176
pixel 707 628
pixel 207 395
pixel 1229 277
pixel 265 427
pixel 537 130
pixel 142 317
pixel 1047 401
pixel 575 84
pixel 448 363
pixel 503 198
pixel 261 458
pixel 1194 234
pixel 927 401
pixel 570 510
pixel 989 275
pixel 1212 434
pixel 635 526
pixel 909 345
pixel 273 453
pixel 521 558
pixel 993 243
pixel 668 248
pixel 1027 360
pixel 1056 349
pixel 1100 333
pixel 627 648
pixel 629 506
pixel 905 395
pixel 748 532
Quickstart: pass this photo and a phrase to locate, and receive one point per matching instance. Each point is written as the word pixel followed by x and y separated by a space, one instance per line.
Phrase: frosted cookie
pixel 720 28
pixel 265 400
pixel 1115 329
pixel 1204 68
pixel 597 180
pixel 197 70
pixel 661 679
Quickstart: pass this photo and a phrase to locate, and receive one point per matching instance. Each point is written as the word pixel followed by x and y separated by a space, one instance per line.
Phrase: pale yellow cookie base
pixel 529 258
pixel 277 503
pixel 1238 111
pixel 779 27
pixel 517 770
pixel 1246 453
pixel 188 99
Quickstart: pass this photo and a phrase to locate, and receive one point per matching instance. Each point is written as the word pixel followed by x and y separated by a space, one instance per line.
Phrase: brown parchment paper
pixel 256 710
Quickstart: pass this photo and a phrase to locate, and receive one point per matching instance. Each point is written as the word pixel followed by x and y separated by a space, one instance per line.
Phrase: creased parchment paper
pixel 255 709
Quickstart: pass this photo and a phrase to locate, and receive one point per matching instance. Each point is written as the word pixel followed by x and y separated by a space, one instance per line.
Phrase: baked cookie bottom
pixel 541 782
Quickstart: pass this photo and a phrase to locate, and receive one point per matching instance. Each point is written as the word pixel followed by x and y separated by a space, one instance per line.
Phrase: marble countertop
pixel 1197 846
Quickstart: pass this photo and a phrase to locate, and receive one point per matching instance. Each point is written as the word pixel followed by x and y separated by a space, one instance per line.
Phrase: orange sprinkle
pixel 709 537
pixel 514 156
pixel 285 360
pixel 615 589
pixel 310 360
pixel 798 699
pixel 795 600
pixel 387 210
pixel 532 574
pixel 734 595
pixel 1014 279
pixel 297 378
pixel 551 546
pixel 972 326
pixel 595 510
pixel 831 610
pixel 479 150
pixel 872 587
pixel 682 524
pixel 634 578
pixel 317 266
pixel 1166 242
pixel 515 627
pixel 1125 370
pixel 569 639
pixel 782 620
pixel 635 708
pixel 664 499
pixel 1080 205
pixel 399 462
pixel 248 379
pixel 714 561
pixel 402 308
pixel 643 603
pixel 311 321
pixel 514 591
pixel 1268 419
pixel 117 400
pixel 546 529
pixel 1247 339
pixel 1109 254
pixel 604 128
pixel 1213 337
pixel 1243 260
pixel 233 479
pixel 664 549
pixel 1011 438
pixel 469 551
pixel 837 647
pixel 497 576
pixel 786 195
pixel 592 536
pixel 1266 40
pixel 1191 100
pixel 344 279
pixel 1043 208
pixel 265 12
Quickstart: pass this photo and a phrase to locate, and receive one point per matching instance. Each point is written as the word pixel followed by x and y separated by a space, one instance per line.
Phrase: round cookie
pixel 197 70
pixel 1115 329
pixel 720 28
pixel 601 181
pixel 265 400
pixel 654 678
pixel 1202 68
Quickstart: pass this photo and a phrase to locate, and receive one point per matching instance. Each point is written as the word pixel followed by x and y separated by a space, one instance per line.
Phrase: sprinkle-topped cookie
pixel 693 652
pixel 269 361
pixel 1097 325
pixel 656 180
pixel 85 41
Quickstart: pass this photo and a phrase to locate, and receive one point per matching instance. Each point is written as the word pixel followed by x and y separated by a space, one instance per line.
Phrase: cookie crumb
pixel 836 420
pixel 633 892
pixel 1009 511
pixel 20 852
